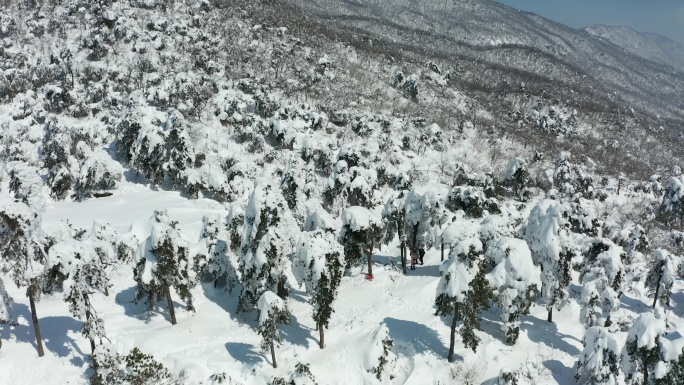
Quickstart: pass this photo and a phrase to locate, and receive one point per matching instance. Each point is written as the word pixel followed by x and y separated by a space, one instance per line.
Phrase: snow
pixel 359 218
pixel 456 278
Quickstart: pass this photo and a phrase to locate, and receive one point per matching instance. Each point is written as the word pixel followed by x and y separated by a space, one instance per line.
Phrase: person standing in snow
pixel 414 258
pixel 421 254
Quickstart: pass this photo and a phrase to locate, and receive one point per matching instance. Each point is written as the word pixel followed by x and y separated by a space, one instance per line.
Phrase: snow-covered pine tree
pixel 463 291
pixel 83 273
pixel 361 230
pixel 515 281
pixel 163 262
pixel 562 175
pixel 642 352
pixel 268 238
pixel 517 179
pixel 298 185
pixel 5 305
pixel 218 264
pixel 352 182
pixel 599 362
pixel 178 155
pixel 319 265
pixel 393 217
pixel 548 237
pixel 601 277
pixel 97 172
pixel 663 271
pixel 425 214
pixel 22 255
pixel 672 206
pixel 272 311
pixel 55 157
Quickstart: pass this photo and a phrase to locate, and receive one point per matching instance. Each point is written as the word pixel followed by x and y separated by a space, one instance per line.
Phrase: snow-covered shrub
pixel 601 276
pixel 136 367
pixel 463 291
pixel 548 236
pixel 599 362
pixel 515 281
pixel 268 238
pixel 319 265
pixel 352 182
pixel 379 353
pixel 272 311
pixel 163 262
pixel 663 270
pixel 641 356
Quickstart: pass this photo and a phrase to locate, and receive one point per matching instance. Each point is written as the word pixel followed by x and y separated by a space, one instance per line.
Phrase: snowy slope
pixel 647 45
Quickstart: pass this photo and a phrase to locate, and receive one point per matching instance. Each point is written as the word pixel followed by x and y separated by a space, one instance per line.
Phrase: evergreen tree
pixel 82 272
pixel 272 311
pixel 514 279
pixel 601 276
pixel 599 362
pixel 672 206
pixel 463 291
pixel 319 265
pixel 548 236
pixel 361 230
pixel 218 264
pixel 393 217
pixel 22 253
pixel 163 262
pixel 518 179
pixel 55 157
pixel 425 214
pixel 642 352
pixel 268 238
pixel 662 273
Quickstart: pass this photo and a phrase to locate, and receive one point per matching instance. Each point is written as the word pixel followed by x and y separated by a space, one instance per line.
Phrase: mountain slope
pixel 650 46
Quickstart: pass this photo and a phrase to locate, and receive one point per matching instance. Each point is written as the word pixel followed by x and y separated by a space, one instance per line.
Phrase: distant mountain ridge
pixel 650 46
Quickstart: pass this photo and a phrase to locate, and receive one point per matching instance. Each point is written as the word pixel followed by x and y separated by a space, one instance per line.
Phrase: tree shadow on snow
pixel 244 353
pixel 424 271
pixel 541 331
pixel 296 333
pixel 55 332
pixel 562 374
pixel 633 304
pixel 141 311
pixel 422 338
pixel 226 300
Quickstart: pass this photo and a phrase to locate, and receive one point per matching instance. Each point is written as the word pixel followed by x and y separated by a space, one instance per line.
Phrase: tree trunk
pixel 657 292
pixel 442 251
pixel 415 235
pixel 403 256
pixel 273 359
pixel 370 260
pixel 36 327
pixel 645 374
pixel 550 318
pixel 321 337
pixel 172 311
pixel 452 340
pixel 88 316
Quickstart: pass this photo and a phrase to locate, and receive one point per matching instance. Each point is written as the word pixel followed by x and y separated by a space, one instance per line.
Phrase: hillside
pixel 647 45
pixel 231 192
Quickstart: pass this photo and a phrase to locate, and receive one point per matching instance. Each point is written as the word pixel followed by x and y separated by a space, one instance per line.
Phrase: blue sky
pixel 665 17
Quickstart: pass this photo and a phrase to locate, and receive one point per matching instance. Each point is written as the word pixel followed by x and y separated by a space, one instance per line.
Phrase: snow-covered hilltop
pixel 233 192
